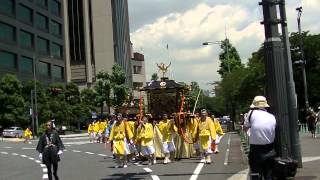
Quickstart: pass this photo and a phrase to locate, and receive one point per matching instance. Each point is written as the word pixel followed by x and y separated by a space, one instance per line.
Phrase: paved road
pixel 84 160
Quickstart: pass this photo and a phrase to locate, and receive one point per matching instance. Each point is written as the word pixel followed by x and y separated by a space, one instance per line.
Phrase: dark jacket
pixel 49 144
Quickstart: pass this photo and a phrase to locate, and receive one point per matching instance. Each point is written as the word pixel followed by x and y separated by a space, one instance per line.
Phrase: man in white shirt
pixel 262 127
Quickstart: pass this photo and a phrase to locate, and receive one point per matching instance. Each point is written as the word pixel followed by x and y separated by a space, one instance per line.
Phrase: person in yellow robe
pixel 206 135
pixel 121 135
pixel 27 135
pixel 145 138
pixel 132 125
pixel 96 129
pixel 193 128
pixel 91 132
pixel 168 129
pixel 219 134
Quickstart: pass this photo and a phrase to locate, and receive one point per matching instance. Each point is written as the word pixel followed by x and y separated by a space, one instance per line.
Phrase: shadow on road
pixel 134 176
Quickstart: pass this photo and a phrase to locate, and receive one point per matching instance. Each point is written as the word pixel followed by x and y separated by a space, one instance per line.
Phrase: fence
pixel 303 128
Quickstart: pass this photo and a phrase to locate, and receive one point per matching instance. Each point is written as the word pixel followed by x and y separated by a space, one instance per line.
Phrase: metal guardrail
pixel 303 128
pixel 244 140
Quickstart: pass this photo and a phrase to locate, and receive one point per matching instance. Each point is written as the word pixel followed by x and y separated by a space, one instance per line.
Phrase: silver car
pixel 13 132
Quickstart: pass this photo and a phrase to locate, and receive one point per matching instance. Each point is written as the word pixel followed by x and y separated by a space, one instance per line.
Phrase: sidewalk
pixel 310 149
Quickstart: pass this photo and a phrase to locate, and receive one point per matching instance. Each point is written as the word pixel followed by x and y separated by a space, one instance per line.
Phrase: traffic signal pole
pixel 276 77
pixel 292 99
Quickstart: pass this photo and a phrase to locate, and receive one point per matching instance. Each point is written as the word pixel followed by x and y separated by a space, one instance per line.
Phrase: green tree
pixel 120 90
pixel 154 77
pixel 13 110
pixel 88 97
pixel 103 90
pixel 229 58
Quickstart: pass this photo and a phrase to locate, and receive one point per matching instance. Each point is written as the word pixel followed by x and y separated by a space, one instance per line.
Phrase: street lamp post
pixel 227 49
pixel 35 93
pixel 302 61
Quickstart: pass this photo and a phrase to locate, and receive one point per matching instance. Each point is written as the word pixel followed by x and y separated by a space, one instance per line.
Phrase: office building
pixel 138 75
pixel 98 38
pixel 32 35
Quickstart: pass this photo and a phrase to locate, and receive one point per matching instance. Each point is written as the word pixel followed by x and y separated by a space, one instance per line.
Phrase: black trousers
pixel 55 169
pixel 261 161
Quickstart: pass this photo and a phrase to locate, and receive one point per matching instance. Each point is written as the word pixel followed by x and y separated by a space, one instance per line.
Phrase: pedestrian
pixel 91 132
pixel 311 120
pixel 96 129
pixel 219 134
pixel 262 125
pixel 145 137
pixel 168 129
pixel 27 135
pixel 206 133
pixel 121 136
pixel 50 147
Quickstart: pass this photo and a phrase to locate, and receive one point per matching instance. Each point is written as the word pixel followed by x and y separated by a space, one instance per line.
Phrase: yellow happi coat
pixel 166 129
pixel 218 128
pixel 96 127
pixel 90 128
pixel 193 126
pixel 120 132
pixel 27 133
pixel 131 126
pixel 206 130
pixel 145 135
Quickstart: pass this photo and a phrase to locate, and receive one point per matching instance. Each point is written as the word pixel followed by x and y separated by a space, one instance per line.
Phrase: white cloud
pixel 185 30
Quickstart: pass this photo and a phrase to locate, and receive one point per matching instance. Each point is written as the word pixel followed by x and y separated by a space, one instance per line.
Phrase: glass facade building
pixel 31 35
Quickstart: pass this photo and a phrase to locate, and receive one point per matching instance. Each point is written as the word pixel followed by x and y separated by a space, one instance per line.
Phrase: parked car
pixel 13 131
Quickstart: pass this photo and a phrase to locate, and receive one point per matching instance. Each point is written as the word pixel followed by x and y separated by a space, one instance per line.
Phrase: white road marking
pixel 28 148
pixel 76 143
pixel 65 150
pixel 7 147
pixel 37 161
pixel 227 152
pixel 67 145
pixel 312 158
pixel 23 155
pixel 197 171
pixel 14 154
pixel 4 153
pixel 103 155
pixel 242 175
pixel 42 165
pixel 89 152
pixel 45 176
pixel 31 158
pixel 147 170
pixel 76 151
pixel 155 177
pixel 45 170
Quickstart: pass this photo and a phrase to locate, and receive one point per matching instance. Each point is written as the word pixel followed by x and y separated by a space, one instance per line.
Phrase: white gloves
pixel 40 156
pixel 131 141
pixel 60 152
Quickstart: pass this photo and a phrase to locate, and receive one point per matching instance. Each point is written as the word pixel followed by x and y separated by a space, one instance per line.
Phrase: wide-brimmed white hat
pixel 259 102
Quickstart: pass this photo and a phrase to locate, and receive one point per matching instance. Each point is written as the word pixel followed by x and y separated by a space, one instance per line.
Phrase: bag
pixel 284 167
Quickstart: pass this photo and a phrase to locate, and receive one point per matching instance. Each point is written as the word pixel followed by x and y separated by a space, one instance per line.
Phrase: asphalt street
pixel 91 161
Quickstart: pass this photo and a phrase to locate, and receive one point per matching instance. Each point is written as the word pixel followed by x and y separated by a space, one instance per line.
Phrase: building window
pixel 137 69
pixel 24 14
pixel 42 22
pixel 55 7
pixel 56 28
pixel 57 72
pixel 7 32
pixel 7 7
pixel 43 46
pixel 56 50
pixel 44 69
pixel 26 64
pixel 8 60
pixel 26 39
pixel 42 3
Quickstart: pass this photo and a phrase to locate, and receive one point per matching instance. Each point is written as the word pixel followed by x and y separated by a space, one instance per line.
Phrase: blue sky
pixel 185 24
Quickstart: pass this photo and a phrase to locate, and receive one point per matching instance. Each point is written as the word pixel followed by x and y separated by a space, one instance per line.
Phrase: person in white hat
pixel 262 125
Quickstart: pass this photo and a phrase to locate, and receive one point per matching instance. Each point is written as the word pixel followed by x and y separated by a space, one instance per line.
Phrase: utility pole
pixel 292 99
pixel 302 61
pixel 276 76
